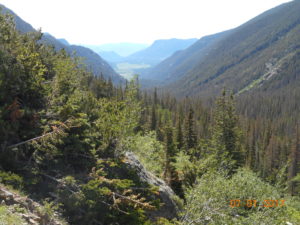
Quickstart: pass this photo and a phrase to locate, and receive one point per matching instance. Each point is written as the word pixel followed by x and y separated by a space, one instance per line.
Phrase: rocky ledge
pixel 25 207
pixel 169 208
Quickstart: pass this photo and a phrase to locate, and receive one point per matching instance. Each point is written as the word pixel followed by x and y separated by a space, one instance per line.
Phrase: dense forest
pixel 65 136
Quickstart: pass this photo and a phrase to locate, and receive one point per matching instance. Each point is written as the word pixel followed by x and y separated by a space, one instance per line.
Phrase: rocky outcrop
pixel 169 208
pixel 31 211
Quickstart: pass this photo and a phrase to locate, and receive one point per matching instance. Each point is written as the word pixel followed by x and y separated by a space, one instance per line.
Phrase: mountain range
pixel 263 53
pixel 92 60
pixel 149 55
pixel 63 41
pixel 111 57
pixel 137 62
pixel 121 49
pixel 159 50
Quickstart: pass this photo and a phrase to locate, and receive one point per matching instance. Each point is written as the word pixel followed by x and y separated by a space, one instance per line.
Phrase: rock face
pixel 169 208
pixel 32 213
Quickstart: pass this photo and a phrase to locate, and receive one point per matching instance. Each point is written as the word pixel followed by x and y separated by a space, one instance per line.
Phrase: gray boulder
pixel 169 208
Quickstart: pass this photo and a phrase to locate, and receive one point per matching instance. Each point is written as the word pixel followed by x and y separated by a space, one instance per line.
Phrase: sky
pixel 95 22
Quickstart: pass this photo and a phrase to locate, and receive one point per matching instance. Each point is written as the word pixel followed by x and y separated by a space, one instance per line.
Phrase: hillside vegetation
pixel 60 131
pixel 92 153
pixel 175 66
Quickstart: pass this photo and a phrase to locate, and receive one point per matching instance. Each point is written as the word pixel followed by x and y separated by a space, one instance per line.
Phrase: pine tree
pixel 169 152
pixel 226 134
pixel 110 87
pixel 249 157
pixel 155 99
pixel 153 121
pixel 294 163
pixel 179 135
pixel 252 162
pixel 170 174
pixel 190 134
pixel 159 130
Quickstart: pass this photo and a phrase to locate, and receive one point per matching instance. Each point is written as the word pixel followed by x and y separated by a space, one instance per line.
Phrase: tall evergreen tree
pixel 170 152
pixel 294 163
pixel 179 135
pixel 153 121
pixel 170 174
pixel 190 134
pixel 155 98
pixel 251 149
pixel 226 134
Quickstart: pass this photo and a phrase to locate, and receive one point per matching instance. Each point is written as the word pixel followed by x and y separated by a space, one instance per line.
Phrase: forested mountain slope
pixel 175 66
pixel 93 61
pixel 252 55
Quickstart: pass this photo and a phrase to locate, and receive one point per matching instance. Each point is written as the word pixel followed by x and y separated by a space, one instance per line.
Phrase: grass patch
pixel 9 218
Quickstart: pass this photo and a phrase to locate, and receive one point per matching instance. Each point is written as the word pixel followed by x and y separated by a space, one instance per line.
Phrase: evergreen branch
pixel 143 204
pixel 73 192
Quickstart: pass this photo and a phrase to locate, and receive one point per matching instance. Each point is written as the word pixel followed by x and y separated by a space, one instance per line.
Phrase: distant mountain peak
pixel 159 50
pixel 63 41
pixel 123 49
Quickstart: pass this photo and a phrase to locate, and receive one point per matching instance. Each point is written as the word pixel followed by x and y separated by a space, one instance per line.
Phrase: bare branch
pixel 32 139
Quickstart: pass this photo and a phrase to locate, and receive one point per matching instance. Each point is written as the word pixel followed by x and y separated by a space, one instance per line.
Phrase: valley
pixel 128 70
pixel 182 131
pixel 145 58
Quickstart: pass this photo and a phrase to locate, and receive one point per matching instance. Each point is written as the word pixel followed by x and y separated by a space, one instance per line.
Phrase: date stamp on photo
pixel 250 203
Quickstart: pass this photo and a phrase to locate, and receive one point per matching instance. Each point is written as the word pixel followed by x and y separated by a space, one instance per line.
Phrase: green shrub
pixel 7 217
pixel 47 211
pixel 149 151
pixel 11 179
pixel 211 201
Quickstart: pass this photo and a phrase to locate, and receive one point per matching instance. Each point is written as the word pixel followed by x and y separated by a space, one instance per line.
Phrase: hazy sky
pixel 136 21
